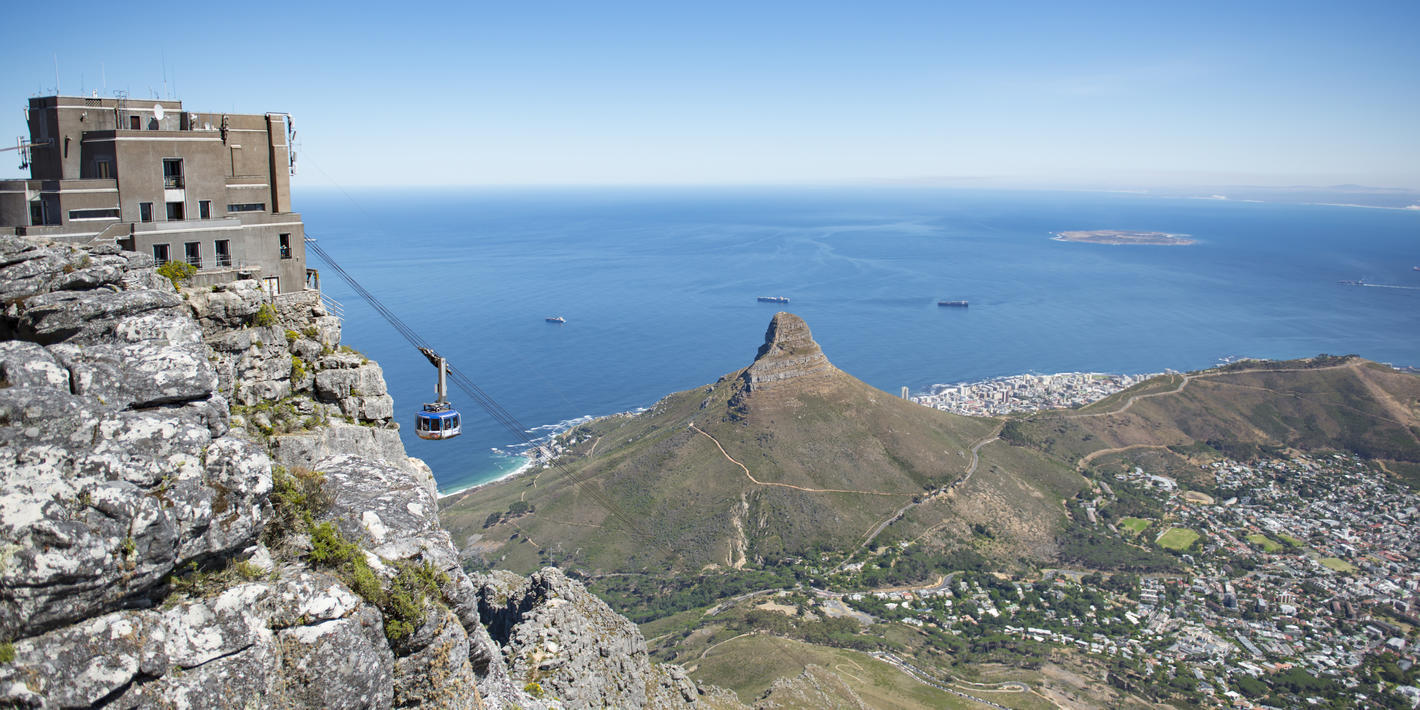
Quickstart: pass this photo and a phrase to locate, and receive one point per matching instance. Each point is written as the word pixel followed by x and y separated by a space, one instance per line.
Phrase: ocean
pixel 658 287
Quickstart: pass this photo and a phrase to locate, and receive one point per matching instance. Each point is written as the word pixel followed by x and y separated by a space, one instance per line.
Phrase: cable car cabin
pixel 437 421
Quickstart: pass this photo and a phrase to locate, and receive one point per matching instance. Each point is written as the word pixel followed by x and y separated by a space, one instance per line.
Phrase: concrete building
pixel 211 189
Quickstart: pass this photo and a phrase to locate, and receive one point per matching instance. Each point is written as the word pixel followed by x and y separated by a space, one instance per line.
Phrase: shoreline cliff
pixel 204 502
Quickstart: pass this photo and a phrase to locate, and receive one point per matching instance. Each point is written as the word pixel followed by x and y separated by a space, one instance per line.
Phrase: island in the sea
pixel 1118 236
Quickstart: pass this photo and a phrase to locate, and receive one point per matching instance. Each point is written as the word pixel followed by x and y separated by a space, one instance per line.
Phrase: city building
pixel 210 189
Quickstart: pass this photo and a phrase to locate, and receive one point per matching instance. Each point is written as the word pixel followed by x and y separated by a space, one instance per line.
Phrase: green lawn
pixel 1288 539
pixel 1336 563
pixel 1179 539
pixel 1266 543
pixel 1134 525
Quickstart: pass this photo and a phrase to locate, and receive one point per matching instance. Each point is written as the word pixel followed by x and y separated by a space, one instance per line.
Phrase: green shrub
pixel 178 272
pixel 298 368
pixel 297 496
pixel 410 591
pixel 292 336
pixel 310 332
pixel 266 315
pixel 533 689
pixel 7 652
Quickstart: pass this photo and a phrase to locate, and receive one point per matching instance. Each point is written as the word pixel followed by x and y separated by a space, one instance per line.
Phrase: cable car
pixel 439 419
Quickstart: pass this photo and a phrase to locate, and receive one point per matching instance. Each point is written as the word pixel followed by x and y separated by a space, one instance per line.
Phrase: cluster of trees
pixel 518 508
pixel 643 599
pixel 1097 550
pixel 837 632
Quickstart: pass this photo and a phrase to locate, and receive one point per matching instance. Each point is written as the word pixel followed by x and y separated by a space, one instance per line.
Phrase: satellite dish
pixel 158 111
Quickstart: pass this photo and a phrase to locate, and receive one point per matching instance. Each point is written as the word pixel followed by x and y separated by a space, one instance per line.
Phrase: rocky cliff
pixel 204 502
pixel 788 353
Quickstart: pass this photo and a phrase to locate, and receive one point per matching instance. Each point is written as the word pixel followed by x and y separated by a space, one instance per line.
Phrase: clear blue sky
pixel 1066 94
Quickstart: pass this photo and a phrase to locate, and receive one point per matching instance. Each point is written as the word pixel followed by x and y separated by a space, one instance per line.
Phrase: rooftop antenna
pixel 56 74
pixel 103 77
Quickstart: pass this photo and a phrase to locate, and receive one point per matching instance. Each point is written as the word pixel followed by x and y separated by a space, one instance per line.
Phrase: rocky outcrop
pixel 816 687
pixel 788 353
pixel 204 502
pixel 557 636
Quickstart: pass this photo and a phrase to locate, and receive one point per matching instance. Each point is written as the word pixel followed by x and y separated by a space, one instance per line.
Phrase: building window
pixel 104 169
pixel 37 213
pixel 135 123
pixel 145 211
pixel 110 213
pixel 160 253
pixel 175 210
pixel 247 207
pixel 204 209
pixel 285 243
pixel 223 250
pixel 172 173
pixel 192 251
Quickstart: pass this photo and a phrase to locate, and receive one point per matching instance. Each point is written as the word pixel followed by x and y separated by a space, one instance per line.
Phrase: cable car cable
pixel 495 410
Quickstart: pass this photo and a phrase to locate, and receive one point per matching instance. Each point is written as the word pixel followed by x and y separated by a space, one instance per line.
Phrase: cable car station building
pixel 210 189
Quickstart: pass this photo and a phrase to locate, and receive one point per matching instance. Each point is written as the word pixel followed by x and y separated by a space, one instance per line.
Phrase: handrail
pixel 335 307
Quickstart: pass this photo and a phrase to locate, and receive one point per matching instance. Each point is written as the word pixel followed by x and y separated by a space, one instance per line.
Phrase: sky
pixel 1094 95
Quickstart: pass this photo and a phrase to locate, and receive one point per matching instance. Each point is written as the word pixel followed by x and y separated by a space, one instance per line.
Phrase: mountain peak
pixel 788 353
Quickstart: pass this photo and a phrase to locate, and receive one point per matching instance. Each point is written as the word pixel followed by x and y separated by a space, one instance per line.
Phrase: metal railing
pixel 172 182
pixel 333 306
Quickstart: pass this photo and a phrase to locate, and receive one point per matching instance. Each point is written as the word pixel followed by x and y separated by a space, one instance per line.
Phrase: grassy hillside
pixel 743 473
pixel 1328 404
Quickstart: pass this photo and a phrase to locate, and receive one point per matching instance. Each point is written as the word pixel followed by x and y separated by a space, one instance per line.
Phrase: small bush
pixel 310 332
pixel 178 272
pixel 7 652
pixel 297 496
pixel 412 588
pixel 533 689
pixel 266 315
pixel 298 368
pixel 193 581
pixel 292 336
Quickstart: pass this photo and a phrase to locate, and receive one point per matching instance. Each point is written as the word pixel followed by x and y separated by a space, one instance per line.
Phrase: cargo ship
pixel 957 304
pixel 555 319
pixel 773 299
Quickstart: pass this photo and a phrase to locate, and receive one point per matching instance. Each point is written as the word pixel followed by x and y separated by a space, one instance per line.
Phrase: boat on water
pixel 555 319
pixel 1415 268
pixel 955 304
pixel 773 299
pixel 1349 282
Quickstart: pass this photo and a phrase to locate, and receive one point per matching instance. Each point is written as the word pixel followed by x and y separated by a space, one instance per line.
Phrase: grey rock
pixel 379 444
pixel 87 316
pixel 24 364
pixel 554 632
pixel 97 506
pixel 438 673
pixel 305 641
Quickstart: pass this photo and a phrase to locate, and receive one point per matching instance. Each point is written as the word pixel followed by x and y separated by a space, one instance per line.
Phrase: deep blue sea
pixel 658 288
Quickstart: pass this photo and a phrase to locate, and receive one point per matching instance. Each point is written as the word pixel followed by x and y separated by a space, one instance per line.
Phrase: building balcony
pixel 172 182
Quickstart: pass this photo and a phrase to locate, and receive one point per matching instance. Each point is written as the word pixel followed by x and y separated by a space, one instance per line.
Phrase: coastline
pixel 522 468
pixel 543 452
